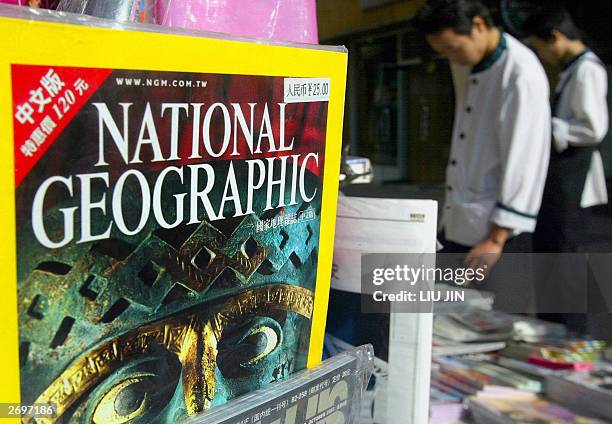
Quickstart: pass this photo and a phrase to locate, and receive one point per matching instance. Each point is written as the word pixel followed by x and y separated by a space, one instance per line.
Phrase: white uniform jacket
pixel 581 118
pixel 500 147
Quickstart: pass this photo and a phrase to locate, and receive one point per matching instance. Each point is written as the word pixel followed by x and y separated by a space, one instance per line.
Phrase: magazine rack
pixel 330 393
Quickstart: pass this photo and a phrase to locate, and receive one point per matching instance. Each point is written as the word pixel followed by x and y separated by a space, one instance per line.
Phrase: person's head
pixel 551 33
pixel 460 30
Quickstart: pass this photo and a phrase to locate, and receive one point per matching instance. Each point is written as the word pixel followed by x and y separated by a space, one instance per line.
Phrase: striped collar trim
pixel 491 59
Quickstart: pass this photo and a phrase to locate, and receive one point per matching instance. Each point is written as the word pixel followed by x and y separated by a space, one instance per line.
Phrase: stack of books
pixel 586 392
pixel 477 325
pixel 446 398
pixel 446 347
pixel 558 354
pixel 534 330
pixel 515 406
pixel 473 325
pixel 482 375
pixel 535 375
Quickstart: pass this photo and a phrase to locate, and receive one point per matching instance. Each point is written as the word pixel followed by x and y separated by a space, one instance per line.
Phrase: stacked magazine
pixel 446 347
pixel 482 375
pixel 480 325
pixel 519 407
pixel 473 325
pixel 586 392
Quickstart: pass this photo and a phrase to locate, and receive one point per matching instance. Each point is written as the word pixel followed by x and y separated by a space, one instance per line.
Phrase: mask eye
pixel 243 348
pixel 260 341
pixel 126 401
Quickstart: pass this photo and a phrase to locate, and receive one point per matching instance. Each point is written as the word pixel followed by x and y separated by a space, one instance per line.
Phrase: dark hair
pixel 552 18
pixel 458 15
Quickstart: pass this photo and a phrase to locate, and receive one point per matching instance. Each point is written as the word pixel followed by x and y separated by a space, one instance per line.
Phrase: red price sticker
pixel 45 100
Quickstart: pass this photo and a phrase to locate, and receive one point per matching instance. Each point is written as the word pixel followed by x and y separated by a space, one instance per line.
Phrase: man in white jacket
pixel 501 137
pixel 576 178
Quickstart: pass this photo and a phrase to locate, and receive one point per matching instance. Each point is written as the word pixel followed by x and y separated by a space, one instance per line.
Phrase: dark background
pixel 592 17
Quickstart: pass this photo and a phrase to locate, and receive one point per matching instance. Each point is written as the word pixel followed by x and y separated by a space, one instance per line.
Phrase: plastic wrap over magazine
pixel 168 253
pixel 32 3
pixel 283 20
pixel 288 20
pixel 330 393
pixel 142 11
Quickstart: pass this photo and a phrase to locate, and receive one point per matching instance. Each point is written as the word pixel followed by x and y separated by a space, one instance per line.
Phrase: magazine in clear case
pixel 166 197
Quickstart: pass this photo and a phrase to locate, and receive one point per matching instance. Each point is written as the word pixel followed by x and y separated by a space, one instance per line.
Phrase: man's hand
pixel 485 254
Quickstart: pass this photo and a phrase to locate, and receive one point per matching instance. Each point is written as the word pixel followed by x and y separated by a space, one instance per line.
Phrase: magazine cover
pixel 168 206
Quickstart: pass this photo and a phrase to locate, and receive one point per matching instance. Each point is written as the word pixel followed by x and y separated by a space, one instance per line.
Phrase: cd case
pixel 329 393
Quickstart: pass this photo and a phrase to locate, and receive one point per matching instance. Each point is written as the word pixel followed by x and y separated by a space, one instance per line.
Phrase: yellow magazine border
pixel 35 42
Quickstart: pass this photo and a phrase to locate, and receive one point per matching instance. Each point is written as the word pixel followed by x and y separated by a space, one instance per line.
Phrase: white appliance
pixel 369 225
